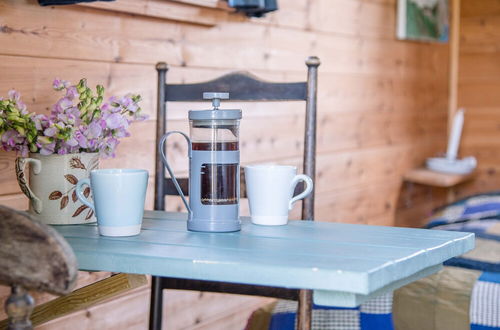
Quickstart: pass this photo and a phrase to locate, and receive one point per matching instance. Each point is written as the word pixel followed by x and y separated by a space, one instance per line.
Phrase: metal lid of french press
pixel 215 113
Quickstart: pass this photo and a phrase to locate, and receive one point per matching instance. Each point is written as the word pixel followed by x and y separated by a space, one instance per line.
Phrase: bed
pixel 464 295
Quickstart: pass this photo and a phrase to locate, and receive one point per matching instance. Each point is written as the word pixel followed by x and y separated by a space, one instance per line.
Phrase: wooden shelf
pixel 436 179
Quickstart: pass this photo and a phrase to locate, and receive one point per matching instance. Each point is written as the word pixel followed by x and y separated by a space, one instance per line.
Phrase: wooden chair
pixel 33 256
pixel 241 87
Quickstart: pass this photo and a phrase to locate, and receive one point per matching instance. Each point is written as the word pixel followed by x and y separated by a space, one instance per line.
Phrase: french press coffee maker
pixel 214 167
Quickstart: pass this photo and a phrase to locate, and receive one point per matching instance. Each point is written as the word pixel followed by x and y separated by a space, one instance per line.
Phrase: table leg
pixel 304 314
pixel 451 195
pixel 156 304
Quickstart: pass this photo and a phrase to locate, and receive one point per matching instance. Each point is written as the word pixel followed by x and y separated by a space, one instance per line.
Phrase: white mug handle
pixel 79 194
pixel 307 191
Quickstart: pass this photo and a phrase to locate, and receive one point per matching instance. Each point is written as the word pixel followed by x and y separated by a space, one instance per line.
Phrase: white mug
pixel 270 191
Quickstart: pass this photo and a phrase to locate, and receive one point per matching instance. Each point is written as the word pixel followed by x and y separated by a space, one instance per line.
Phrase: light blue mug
pixel 119 196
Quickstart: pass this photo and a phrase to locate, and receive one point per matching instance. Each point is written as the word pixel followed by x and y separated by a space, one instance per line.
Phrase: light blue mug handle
pixel 79 194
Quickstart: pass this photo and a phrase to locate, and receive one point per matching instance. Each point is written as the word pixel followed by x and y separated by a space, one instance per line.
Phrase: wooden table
pixel 345 264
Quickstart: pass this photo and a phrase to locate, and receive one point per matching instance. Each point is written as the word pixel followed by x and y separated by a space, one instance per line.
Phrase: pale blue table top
pixel 344 264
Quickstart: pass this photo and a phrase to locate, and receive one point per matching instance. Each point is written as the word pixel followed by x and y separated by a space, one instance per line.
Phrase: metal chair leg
pixel 19 306
pixel 304 313
pixel 156 304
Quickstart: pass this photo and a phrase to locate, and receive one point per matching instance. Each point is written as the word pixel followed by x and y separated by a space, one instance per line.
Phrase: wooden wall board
pixel 17 201
pixel 483 8
pixel 217 310
pixel 478 94
pixel 121 38
pixel 356 18
pixel 479 34
pixel 119 78
pixel 207 15
pixel 479 67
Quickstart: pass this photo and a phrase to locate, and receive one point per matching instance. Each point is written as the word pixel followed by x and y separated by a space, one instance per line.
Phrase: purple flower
pixel 48 149
pixel 14 95
pixel 139 116
pixel 72 93
pixel 24 150
pixel 116 120
pixel 62 150
pixel 66 130
pixel 60 84
pixel 63 104
pixel 50 131
pixel 107 147
pixel 95 130
pixel 72 142
pixel 81 139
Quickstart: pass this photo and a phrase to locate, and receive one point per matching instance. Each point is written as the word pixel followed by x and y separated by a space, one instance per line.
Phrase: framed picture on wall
pixel 423 20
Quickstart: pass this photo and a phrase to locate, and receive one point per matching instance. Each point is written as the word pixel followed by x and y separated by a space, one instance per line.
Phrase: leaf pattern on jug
pixel 64 202
pixel 75 162
pixel 89 214
pixel 86 192
pixel 74 197
pixel 94 163
pixel 79 210
pixel 55 195
pixel 71 179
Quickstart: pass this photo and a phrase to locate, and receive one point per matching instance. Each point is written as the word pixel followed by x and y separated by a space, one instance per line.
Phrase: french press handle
pixel 161 149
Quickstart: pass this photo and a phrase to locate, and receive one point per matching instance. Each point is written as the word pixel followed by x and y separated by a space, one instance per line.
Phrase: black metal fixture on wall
pixel 254 8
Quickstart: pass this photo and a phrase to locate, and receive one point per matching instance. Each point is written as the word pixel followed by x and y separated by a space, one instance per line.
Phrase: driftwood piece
pixel 33 255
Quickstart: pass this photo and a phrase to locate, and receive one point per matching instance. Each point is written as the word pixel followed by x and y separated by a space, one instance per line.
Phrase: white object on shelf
pixel 457 166
pixel 451 164
pixel 455 134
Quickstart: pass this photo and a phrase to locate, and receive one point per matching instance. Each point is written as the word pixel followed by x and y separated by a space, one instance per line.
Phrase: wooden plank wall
pixel 382 105
pixel 478 90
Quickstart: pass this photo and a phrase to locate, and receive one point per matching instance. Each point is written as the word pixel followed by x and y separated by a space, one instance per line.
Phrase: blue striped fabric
pixel 372 315
pixel 478 214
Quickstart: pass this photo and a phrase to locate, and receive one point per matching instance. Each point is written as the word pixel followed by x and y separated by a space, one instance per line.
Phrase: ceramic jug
pixel 52 186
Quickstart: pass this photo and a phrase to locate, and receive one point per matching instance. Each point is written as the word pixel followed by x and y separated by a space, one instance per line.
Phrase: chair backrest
pixel 242 86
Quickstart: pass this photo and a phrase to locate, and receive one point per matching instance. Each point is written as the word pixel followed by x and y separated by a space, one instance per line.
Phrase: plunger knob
pixel 215 97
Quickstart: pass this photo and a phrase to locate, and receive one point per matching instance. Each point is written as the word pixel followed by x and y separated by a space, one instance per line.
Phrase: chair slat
pixel 241 86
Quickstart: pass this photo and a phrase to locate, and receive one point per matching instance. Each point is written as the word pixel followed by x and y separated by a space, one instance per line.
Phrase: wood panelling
pixel 478 91
pixel 382 107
